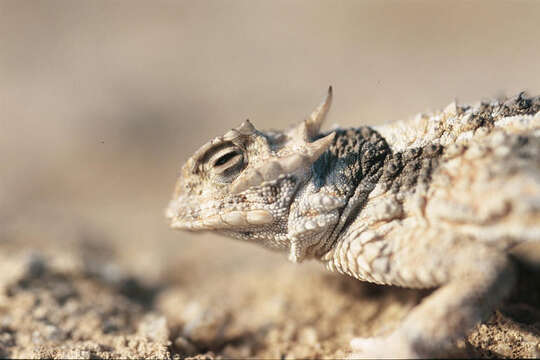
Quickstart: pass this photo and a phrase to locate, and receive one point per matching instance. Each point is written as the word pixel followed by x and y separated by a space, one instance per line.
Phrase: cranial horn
pixel 309 128
pixel 315 120
pixel 246 128
pixel 286 165
pixel 317 148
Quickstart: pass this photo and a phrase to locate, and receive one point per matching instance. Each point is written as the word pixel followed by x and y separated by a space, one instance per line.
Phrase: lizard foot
pixel 393 346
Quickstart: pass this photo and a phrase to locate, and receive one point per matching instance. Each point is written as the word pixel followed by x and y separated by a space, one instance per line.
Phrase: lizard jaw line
pixel 229 220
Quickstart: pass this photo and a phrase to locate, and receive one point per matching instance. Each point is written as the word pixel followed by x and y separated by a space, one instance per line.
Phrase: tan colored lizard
pixel 432 202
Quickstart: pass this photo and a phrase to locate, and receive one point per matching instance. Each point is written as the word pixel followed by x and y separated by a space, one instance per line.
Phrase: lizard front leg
pixel 471 279
pixel 472 292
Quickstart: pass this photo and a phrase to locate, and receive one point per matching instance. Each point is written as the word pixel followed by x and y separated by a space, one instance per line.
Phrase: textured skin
pixel 432 202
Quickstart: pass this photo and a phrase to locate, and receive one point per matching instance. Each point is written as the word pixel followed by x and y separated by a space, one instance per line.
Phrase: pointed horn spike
pixel 310 154
pixel 315 120
pixel 246 128
pixel 317 148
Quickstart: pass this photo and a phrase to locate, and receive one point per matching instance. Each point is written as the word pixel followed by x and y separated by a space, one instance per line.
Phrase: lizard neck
pixel 377 208
pixel 349 170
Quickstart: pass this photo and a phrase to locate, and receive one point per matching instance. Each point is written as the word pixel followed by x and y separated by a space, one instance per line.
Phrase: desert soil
pixel 78 302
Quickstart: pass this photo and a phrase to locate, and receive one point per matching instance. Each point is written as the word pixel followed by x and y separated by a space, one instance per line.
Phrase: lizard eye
pixel 224 159
pixel 227 163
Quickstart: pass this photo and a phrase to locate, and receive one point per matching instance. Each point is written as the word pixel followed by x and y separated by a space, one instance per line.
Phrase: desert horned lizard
pixel 432 202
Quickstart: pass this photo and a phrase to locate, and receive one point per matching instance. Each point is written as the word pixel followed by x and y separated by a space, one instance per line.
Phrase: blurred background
pixel 102 101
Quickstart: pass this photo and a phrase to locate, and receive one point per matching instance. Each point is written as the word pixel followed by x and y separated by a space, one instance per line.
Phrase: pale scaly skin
pixel 432 202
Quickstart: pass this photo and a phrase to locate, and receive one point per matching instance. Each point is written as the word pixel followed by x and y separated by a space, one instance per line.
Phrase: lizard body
pixel 432 202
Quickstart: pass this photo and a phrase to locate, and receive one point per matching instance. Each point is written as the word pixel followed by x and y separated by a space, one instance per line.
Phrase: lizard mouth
pixel 211 219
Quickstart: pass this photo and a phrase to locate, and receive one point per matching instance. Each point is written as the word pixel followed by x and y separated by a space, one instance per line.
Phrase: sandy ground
pixel 57 305
pixel 102 101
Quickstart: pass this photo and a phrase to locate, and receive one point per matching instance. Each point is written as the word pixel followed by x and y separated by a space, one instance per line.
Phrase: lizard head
pixel 242 183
